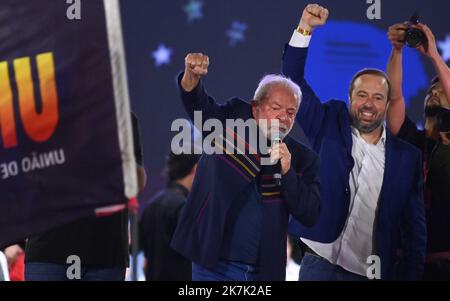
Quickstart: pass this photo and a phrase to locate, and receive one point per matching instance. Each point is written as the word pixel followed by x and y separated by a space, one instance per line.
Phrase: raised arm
pixel 430 50
pixel 195 66
pixel 397 108
pixel 311 109
pixel 194 95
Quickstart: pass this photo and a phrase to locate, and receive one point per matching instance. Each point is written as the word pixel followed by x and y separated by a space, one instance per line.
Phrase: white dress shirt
pixel 355 244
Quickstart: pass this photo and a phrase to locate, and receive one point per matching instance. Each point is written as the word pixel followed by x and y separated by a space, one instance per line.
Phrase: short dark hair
pixel 371 71
pixel 179 166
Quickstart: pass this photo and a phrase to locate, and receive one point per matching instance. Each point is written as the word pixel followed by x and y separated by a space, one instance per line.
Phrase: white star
pixel 236 33
pixel 193 10
pixel 445 47
pixel 162 55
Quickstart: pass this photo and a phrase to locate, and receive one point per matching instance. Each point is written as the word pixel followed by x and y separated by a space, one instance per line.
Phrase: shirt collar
pixel 381 142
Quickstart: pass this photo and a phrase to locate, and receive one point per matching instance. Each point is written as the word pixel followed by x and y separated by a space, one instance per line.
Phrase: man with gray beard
pixel 233 225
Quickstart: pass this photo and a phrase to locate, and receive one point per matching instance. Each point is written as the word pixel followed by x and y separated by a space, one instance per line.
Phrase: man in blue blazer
pixel 371 223
pixel 234 223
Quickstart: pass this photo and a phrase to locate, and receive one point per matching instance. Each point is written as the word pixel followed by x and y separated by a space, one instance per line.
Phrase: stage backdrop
pixel 65 130
pixel 245 40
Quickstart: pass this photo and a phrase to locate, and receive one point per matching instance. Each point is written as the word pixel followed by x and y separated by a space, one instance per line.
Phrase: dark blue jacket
pixel 220 179
pixel 400 221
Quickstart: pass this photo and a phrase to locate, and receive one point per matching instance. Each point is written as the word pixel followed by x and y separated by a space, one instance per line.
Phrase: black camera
pixel 414 37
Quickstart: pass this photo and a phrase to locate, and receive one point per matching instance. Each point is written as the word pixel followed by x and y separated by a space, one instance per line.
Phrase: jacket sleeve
pixel 301 191
pixel 198 100
pixel 311 112
pixel 413 232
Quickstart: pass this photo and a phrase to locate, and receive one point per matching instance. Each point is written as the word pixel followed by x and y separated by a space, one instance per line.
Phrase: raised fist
pixel 196 66
pixel 313 15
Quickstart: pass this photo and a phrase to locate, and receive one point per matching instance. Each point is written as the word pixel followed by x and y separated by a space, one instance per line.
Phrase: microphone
pixel 277 168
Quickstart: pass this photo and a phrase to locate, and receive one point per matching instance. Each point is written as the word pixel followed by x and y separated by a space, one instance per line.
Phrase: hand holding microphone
pixel 279 152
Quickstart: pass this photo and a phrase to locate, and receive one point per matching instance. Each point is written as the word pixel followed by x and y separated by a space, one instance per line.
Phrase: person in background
pixel 159 219
pixel 101 243
pixel 15 256
pixel 433 141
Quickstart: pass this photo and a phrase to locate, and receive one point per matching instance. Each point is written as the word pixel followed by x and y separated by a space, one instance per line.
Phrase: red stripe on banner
pixel 109 210
pixel 133 205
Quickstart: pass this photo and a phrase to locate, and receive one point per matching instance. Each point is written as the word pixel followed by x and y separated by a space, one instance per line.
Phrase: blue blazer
pixel 220 179
pixel 400 221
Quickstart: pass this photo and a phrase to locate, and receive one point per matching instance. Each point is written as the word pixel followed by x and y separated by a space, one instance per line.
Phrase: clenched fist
pixel 313 15
pixel 196 65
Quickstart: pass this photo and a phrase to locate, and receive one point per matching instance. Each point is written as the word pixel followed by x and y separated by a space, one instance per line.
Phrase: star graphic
pixel 193 10
pixel 445 47
pixel 162 55
pixel 236 33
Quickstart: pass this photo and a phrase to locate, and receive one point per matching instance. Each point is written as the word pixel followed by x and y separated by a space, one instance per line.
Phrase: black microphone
pixel 277 168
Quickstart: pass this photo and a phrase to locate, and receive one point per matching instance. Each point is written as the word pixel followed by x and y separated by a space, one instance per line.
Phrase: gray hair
pixel 271 80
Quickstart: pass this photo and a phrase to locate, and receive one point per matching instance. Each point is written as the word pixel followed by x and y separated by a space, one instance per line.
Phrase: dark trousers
pixel 40 271
pixel 316 268
pixel 224 271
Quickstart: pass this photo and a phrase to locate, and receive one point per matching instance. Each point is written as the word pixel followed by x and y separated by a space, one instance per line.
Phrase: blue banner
pixel 65 131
